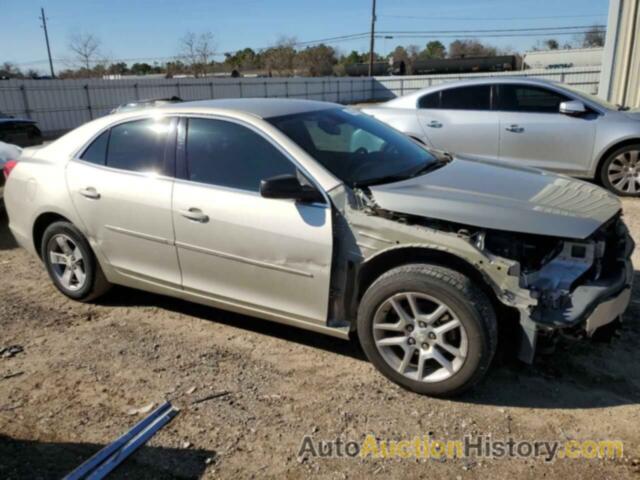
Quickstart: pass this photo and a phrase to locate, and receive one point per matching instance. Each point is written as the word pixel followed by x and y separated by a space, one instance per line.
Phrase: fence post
pixel 88 95
pixel 266 90
pixel 286 88
pixel 373 89
pixel 240 88
pixel 135 91
pixel 322 91
pixel 306 89
pixel 25 100
pixel 401 87
pixel 177 89
pixel 338 91
pixel 212 91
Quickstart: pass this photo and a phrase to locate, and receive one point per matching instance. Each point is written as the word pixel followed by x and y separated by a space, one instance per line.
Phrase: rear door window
pixel 139 146
pixel 97 151
pixel 476 97
pixel 432 100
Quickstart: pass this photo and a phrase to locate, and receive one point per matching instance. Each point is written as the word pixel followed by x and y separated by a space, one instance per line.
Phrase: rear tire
pixel 413 350
pixel 71 264
pixel 620 171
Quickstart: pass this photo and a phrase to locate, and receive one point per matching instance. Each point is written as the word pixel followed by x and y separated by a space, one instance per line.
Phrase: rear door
pixel 533 132
pixel 237 248
pixel 121 187
pixel 460 120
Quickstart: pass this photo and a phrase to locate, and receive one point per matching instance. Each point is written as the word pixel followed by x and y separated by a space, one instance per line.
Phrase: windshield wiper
pixel 428 167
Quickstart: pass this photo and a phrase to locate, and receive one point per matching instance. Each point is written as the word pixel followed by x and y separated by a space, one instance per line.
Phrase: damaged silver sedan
pixel 320 217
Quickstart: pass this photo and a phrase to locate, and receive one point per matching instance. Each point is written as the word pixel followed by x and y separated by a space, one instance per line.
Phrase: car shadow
pixel 127 297
pixel 7 242
pixel 578 374
pixel 52 460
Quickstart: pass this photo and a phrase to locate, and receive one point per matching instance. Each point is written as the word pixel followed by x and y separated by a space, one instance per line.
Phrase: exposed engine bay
pixel 554 283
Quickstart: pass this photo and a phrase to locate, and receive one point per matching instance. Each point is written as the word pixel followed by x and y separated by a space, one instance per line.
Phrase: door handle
pixel 514 129
pixel 195 214
pixel 434 124
pixel 89 192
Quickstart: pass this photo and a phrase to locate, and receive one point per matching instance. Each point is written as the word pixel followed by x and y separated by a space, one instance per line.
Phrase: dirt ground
pixel 83 369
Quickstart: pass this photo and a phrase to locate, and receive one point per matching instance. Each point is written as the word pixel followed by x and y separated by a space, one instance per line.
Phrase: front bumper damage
pixel 585 287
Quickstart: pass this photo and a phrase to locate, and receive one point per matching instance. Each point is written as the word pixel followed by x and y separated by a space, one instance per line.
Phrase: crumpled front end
pixel 584 286
pixel 555 284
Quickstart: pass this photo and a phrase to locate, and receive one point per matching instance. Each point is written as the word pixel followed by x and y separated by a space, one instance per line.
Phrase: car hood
pixel 500 197
pixel 26 121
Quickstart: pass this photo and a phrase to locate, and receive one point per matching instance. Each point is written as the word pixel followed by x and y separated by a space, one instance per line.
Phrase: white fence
pixel 60 105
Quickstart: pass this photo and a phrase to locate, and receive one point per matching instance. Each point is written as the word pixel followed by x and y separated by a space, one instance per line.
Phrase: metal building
pixel 620 77
pixel 563 58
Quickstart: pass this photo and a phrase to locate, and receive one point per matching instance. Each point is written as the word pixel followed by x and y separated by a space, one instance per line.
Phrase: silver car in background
pixel 528 122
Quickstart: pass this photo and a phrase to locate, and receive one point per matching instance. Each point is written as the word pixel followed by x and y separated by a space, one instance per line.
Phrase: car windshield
pixel 355 147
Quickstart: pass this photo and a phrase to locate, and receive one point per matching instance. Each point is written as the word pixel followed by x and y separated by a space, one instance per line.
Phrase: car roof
pixel 259 107
pixel 409 100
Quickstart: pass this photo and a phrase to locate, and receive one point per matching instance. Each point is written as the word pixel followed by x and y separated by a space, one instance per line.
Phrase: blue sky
pixel 152 28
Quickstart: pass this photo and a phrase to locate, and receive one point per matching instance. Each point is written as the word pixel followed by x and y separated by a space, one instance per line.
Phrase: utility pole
pixel 372 40
pixel 46 37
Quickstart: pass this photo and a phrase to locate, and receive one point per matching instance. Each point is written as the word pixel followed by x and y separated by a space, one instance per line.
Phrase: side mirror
pixel 573 107
pixel 289 187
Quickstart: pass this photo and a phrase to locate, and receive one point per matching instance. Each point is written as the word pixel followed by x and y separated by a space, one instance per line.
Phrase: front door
pixel 533 132
pixel 238 248
pixel 122 193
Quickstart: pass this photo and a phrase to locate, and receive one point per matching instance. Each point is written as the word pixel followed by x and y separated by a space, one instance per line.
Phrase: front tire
pixel 620 172
pixel 71 264
pixel 428 328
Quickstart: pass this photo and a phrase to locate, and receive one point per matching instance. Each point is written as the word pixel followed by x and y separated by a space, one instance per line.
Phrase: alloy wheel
pixel 624 172
pixel 420 337
pixel 67 262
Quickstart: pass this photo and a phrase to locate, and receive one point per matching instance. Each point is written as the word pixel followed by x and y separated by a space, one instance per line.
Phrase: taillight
pixel 8 166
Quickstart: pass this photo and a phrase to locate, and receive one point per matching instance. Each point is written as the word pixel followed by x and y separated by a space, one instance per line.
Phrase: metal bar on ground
pixel 110 449
pixel 121 455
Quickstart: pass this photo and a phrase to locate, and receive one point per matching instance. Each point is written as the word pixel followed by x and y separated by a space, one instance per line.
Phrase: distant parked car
pixel 525 122
pixel 148 103
pixel 8 154
pixel 19 131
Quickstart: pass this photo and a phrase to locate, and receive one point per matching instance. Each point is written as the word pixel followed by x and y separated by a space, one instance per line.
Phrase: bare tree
pixel 86 48
pixel 280 59
pixel 594 37
pixel 197 51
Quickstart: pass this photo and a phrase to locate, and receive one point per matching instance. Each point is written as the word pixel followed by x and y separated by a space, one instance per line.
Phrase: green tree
pixel 317 61
pixel 433 49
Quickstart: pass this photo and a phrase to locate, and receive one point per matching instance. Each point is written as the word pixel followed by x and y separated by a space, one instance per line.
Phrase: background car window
pixel 139 145
pixel 230 155
pixel 97 151
pixel 430 101
pixel 467 98
pixel 523 98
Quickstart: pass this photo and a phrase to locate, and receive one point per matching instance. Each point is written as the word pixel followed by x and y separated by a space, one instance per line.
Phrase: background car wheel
pixel 71 263
pixel 620 172
pixel 428 328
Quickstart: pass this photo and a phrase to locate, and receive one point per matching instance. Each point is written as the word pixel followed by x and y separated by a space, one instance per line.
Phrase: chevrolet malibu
pixel 321 217
pixel 525 122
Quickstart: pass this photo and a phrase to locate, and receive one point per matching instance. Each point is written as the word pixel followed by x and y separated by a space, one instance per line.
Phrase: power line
pixel 498 30
pixel 415 17
pixel 498 35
